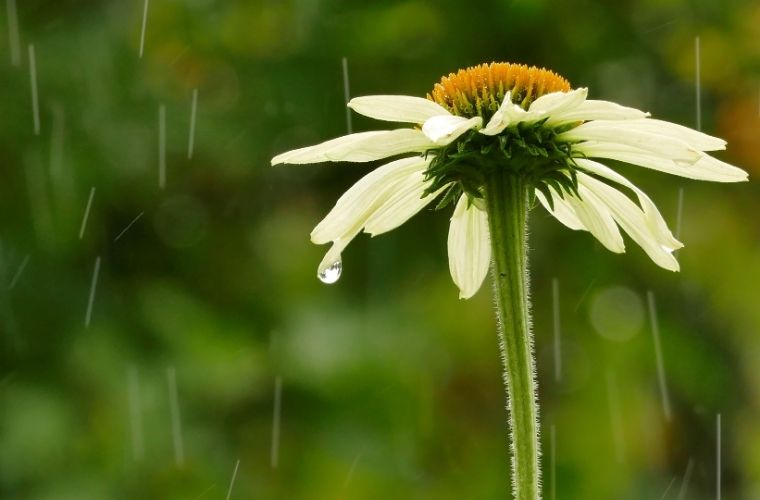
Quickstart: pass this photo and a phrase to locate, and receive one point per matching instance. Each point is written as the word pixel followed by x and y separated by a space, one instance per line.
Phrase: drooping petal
pixel 444 129
pixel 591 109
pixel 597 219
pixel 656 223
pixel 333 255
pixel 397 108
pixel 362 201
pixel 469 246
pixel 407 199
pixel 356 206
pixel 615 133
pixel 557 103
pixel 562 210
pixel 508 114
pixel 704 167
pixel 586 213
pixel 361 147
pixel 633 221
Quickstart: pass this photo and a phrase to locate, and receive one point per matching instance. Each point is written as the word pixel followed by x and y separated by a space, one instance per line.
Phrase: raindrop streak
pixel 697 82
pixel 686 479
pixel 15 42
pixel 660 26
pixel 191 138
pixel 617 421
pixel 351 470
pixel 232 481
pixel 331 273
pixel 142 32
pixel 553 471
pixel 86 212
pixel 20 270
pixel 178 56
pixel 347 94
pixel 161 146
pixel 658 355
pixel 204 492
pixel 33 78
pixel 718 457
pixel 135 413
pixel 275 452
pixel 584 295
pixel 128 226
pixel 179 450
pixel 557 344
pixel 93 286
pixel 667 490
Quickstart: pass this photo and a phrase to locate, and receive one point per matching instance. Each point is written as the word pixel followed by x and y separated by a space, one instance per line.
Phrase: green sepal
pixel 544 189
pixel 527 151
pixel 451 194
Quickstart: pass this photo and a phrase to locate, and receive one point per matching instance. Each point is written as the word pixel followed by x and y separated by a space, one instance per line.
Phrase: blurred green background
pixel 385 384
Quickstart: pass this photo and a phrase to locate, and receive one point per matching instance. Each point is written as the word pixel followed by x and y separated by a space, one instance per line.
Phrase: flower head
pixel 530 122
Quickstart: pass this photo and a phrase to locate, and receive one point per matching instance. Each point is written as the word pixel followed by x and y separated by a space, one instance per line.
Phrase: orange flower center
pixel 479 90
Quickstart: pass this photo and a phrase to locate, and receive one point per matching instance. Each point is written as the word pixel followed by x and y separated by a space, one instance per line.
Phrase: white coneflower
pixel 520 119
pixel 491 139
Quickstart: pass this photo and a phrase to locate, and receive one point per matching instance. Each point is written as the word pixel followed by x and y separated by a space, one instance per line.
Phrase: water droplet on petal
pixel 331 273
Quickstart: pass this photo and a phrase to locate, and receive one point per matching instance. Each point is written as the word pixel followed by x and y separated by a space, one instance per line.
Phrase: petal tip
pixel 618 250
pixel 672 265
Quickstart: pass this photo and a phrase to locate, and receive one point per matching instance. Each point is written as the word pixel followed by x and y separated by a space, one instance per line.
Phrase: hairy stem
pixel 507 205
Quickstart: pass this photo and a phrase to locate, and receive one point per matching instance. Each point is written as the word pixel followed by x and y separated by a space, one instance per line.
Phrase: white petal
pixel 504 116
pixel 356 206
pixel 444 129
pixel 713 169
pixel 616 132
pixel 693 138
pixel 596 217
pixel 469 248
pixel 596 110
pixel 562 211
pixel 559 102
pixel 397 108
pixel 657 224
pixel 705 167
pixel 633 221
pixel 508 114
pixel 361 147
pixel 333 255
pixel 587 213
pixel 405 202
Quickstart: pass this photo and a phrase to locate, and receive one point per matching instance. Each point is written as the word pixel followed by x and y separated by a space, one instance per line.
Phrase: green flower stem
pixel 507 206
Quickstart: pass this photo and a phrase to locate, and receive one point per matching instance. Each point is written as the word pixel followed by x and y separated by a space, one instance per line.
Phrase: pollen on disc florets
pixel 479 90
